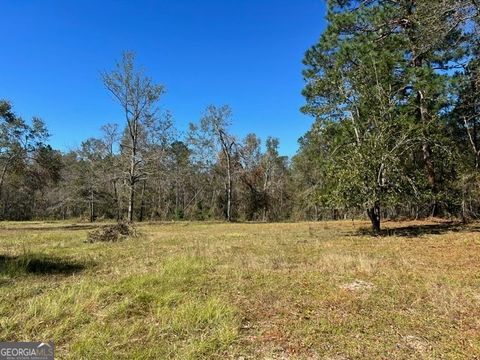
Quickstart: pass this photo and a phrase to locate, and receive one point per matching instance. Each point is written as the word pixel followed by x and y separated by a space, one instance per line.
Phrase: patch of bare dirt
pixel 416 343
pixel 358 285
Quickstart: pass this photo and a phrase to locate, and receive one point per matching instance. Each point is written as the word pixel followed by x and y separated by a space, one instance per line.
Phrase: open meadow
pixel 190 290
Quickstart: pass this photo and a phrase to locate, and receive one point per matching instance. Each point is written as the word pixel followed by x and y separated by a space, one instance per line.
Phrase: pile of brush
pixel 112 233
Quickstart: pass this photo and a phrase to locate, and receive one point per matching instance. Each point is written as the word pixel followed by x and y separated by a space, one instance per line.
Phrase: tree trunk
pixel 423 115
pixel 374 216
pixel 130 201
pixel 464 211
pixel 131 198
pixel 117 201
pixel 411 28
pixel 475 140
pixel 2 180
pixel 229 189
pixel 426 149
pixel 142 203
pixel 265 195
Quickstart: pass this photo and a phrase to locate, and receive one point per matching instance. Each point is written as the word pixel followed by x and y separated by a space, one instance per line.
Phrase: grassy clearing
pixel 212 290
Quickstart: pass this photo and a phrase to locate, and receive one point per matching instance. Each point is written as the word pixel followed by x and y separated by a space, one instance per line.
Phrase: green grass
pixel 214 290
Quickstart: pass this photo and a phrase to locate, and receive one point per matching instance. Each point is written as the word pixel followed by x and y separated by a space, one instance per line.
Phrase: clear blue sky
pixel 245 53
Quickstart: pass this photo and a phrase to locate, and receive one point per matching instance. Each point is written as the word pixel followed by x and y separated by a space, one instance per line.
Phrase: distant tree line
pixel 393 86
pixel 142 169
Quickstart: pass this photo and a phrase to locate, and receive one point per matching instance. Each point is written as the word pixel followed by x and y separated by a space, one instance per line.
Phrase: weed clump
pixel 112 233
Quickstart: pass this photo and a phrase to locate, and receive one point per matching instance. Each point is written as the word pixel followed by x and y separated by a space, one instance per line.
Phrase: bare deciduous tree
pixel 213 136
pixel 137 95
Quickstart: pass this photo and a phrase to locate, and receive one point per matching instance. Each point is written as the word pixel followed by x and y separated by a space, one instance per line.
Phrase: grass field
pixel 244 291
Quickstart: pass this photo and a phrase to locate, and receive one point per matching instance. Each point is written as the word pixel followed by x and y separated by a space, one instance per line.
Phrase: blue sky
pixel 245 53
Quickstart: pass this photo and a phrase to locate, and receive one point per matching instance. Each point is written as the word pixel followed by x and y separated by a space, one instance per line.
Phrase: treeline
pixel 206 174
pixel 393 86
pixel 143 169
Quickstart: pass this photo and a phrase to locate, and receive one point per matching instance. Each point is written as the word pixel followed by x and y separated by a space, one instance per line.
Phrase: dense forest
pixel 393 88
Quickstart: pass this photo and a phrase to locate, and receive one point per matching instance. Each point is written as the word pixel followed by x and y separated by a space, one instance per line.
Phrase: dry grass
pixel 268 291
